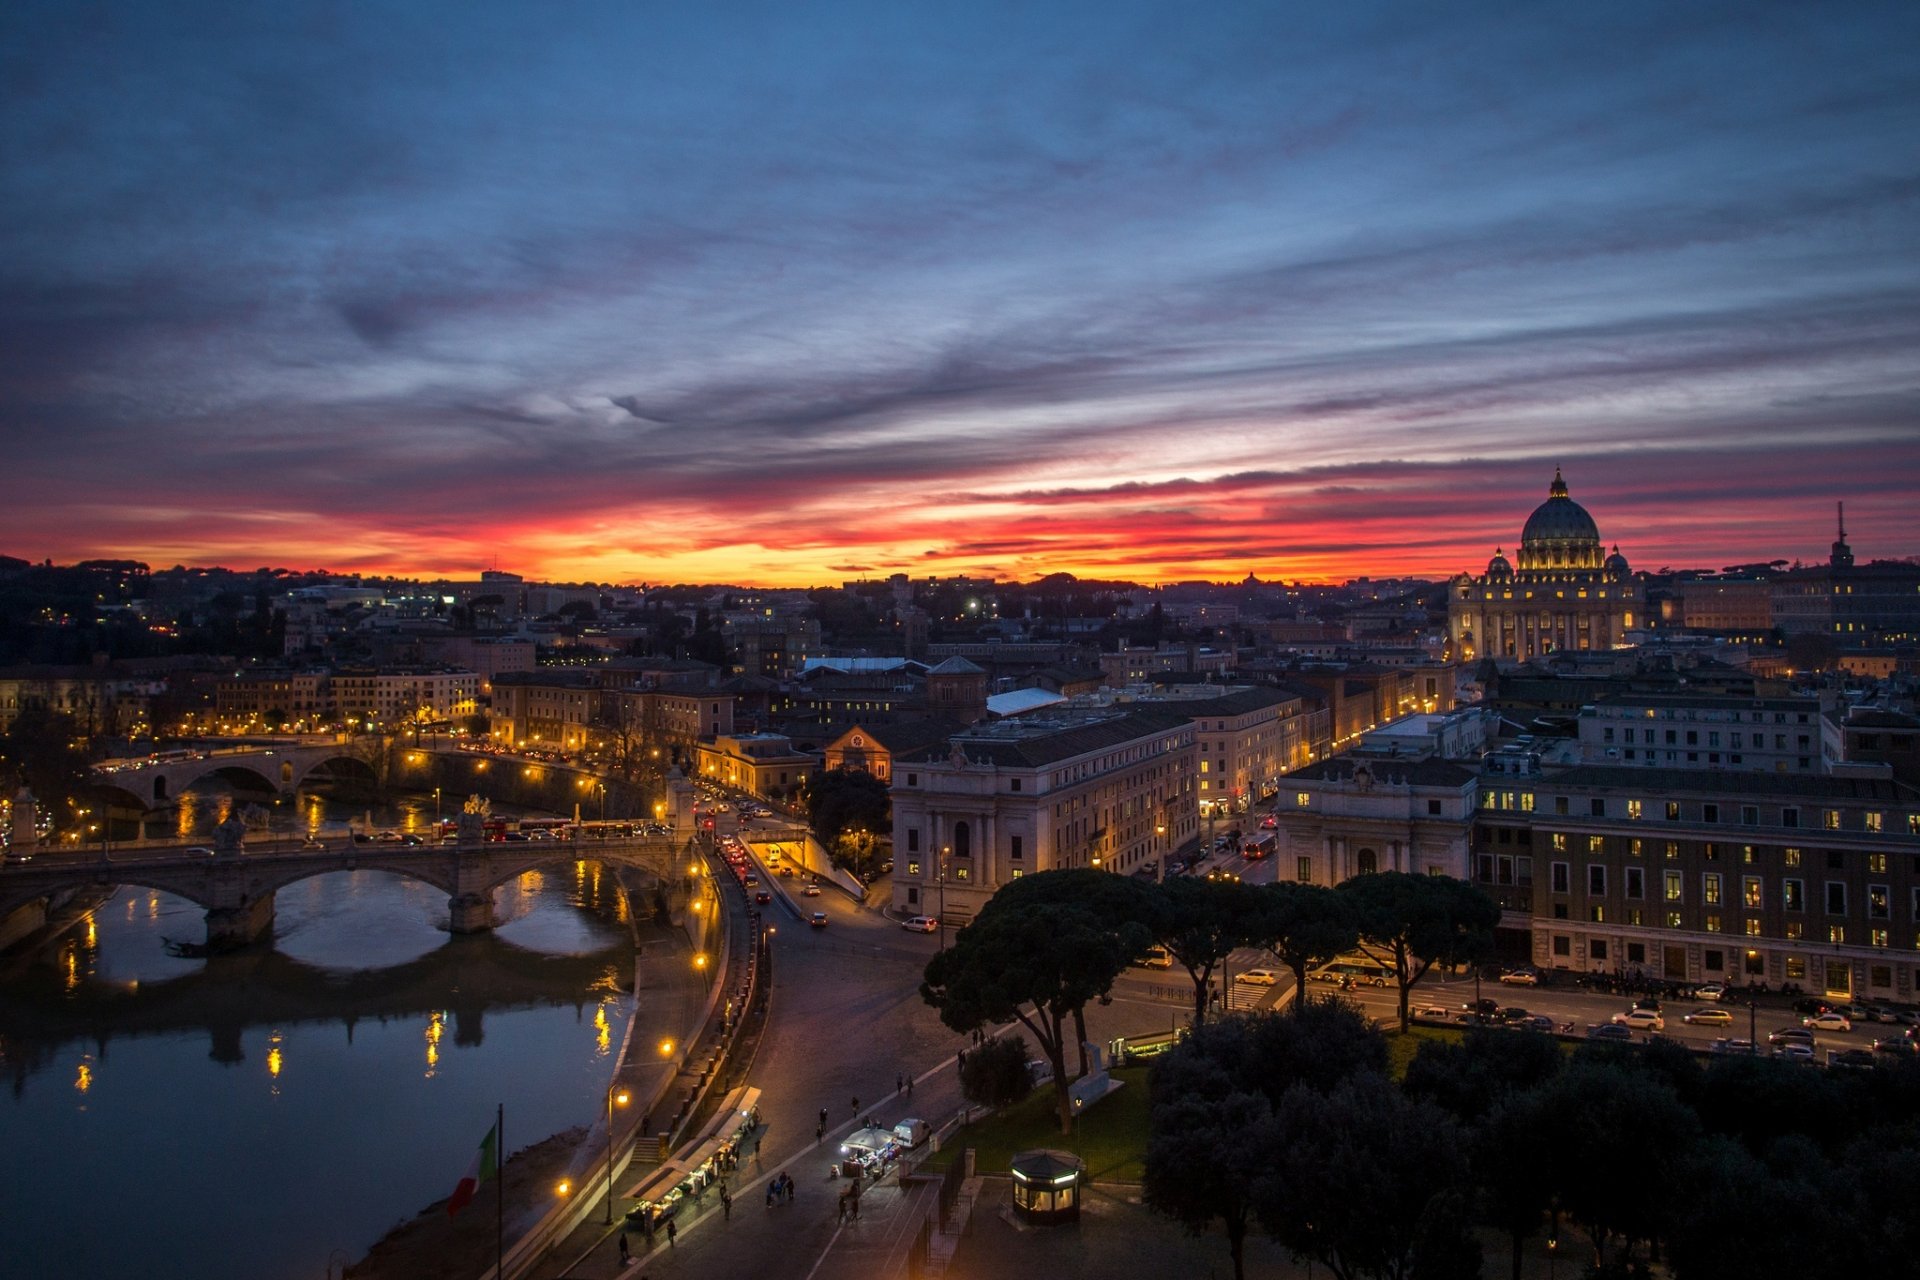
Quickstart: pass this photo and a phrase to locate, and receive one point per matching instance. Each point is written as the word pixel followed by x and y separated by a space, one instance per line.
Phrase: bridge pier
pixel 229 927
pixel 470 912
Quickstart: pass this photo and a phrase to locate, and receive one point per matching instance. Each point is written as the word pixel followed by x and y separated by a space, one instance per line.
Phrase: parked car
pixel 1810 1004
pixel 1896 1047
pixel 1724 1045
pixel 1640 1020
pixel 1793 1051
pixel 920 924
pixel 1828 1021
pixel 1711 991
pixel 1535 1022
pixel 1521 977
pixel 1257 977
pixel 1708 1018
pixel 1851 1060
pixel 1790 1035
pixel 1436 1012
pixel 1609 1031
pixel 1486 1006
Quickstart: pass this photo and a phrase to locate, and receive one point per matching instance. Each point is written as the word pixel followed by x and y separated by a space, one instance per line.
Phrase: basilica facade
pixel 1565 593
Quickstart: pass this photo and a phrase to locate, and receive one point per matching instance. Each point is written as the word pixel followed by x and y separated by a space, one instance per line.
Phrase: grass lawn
pixel 1111 1135
pixel 1401 1048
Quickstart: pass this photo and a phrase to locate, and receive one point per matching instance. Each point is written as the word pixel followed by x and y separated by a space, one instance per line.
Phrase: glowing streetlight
pixel 619 1096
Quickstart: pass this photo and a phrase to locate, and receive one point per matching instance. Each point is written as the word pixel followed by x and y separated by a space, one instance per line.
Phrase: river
pixel 259 1114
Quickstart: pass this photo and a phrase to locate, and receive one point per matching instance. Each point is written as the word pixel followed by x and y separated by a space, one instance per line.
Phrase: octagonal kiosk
pixel 1046 1186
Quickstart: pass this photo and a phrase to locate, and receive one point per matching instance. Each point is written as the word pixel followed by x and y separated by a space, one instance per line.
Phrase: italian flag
pixel 484 1165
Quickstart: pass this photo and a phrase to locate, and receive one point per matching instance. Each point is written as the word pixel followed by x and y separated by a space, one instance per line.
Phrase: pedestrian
pixel 853 1205
pixel 726 1212
pixel 823 1118
pixel 646 1226
pixel 899 1084
pixel 856 1104
pixel 819 1132
pixel 909 1086
pixel 773 1190
pixel 626 1254
pixel 963 1059
pixel 671 1233
pixel 646 1124
pixel 842 1216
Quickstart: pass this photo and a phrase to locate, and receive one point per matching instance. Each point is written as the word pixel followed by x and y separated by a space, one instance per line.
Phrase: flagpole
pixel 500 1193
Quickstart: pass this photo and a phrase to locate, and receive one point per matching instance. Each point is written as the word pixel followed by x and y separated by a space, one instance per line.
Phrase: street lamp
pixel 619 1095
pixel 940 879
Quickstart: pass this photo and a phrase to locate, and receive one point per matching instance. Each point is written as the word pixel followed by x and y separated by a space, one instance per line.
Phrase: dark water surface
pixel 249 1115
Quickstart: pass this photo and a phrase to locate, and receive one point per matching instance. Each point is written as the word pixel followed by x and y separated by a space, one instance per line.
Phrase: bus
pixel 1260 846
pixel 1359 969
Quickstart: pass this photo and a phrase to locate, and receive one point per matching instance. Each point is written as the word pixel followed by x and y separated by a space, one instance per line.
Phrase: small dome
pixel 1616 565
pixel 1497 568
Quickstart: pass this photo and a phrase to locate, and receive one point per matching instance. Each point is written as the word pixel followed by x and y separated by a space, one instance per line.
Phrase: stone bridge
pixel 280 769
pixel 237 889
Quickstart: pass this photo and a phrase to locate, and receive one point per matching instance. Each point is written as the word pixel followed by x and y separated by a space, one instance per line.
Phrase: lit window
pixel 1673 919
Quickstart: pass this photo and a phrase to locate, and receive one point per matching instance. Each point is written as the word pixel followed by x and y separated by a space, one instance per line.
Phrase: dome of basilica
pixel 1560 533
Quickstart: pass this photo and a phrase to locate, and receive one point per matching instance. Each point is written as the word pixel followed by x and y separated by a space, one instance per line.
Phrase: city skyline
pixel 785 298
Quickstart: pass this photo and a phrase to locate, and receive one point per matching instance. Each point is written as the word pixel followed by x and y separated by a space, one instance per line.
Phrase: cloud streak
pixel 782 296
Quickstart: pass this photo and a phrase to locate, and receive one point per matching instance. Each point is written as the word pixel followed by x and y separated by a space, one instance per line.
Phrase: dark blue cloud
pixel 768 253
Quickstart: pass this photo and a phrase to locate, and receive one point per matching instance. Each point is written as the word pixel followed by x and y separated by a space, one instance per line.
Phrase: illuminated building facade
pixel 1564 593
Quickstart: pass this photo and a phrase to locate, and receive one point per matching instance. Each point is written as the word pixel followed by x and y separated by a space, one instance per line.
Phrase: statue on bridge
pixel 472 823
pixel 229 836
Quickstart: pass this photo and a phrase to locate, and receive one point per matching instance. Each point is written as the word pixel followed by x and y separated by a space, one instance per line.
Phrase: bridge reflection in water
pixel 327 1099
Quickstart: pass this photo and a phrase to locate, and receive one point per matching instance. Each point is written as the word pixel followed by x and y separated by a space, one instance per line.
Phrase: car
pixel 1521 978
pixel 1486 1007
pixel 886 867
pixel 1725 1045
pixel 1712 991
pixel 786 870
pixel 818 919
pixel 197 851
pixel 1828 1021
pixel 388 837
pixel 920 924
pixel 751 880
pixel 1709 1018
pixel 1896 1047
pixel 1790 1035
pixel 1851 1059
pixel 1810 1004
pixel 1640 1020
pixel 1257 977
pixel 1610 1031
pixel 763 897
pixel 1883 1013
pixel 1435 1012
pixel 1511 1014
pixel 412 839
pixel 1794 1051
pixel 1269 823
pixel 1854 1013
pixel 1534 1022
pixel 811 891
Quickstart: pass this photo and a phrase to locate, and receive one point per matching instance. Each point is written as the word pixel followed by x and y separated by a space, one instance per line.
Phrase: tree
pixel 1509 1153
pixel 996 1073
pixel 1205 1154
pixel 1201 923
pixel 1616 1140
pixel 1038 963
pixel 1738 1219
pixel 1121 903
pixel 1357 1175
pixel 1302 926
pixel 1411 923
pixel 37 752
pixel 1470 1078
pixel 843 800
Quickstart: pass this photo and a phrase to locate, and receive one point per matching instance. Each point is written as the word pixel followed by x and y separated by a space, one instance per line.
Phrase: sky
pixel 796 294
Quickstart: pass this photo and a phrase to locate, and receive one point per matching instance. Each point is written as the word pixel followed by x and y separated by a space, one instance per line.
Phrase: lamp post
pixel 940 878
pixel 614 1094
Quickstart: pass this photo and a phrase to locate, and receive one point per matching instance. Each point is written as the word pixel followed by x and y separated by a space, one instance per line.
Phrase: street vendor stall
pixel 1046 1185
pixel 868 1152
